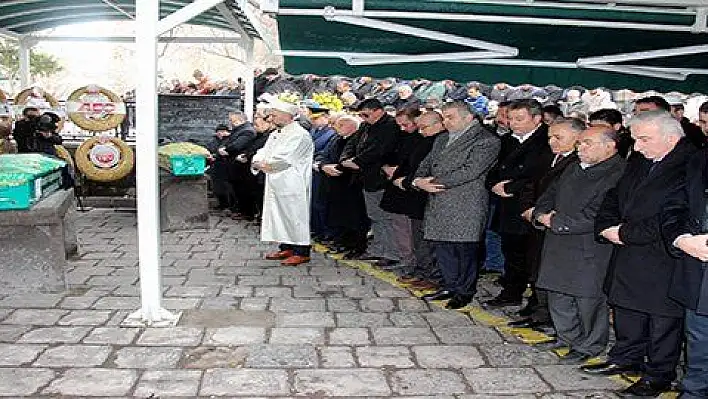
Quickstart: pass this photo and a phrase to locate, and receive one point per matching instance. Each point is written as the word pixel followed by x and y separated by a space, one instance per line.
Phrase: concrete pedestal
pixel 183 202
pixel 34 245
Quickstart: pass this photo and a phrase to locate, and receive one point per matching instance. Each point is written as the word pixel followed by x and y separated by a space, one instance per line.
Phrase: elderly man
pixel 453 173
pixel 286 159
pixel 647 322
pixel 573 266
pixel 685 228
pixel 346 210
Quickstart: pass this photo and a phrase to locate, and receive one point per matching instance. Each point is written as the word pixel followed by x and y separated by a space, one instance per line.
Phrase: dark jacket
pixel 521 163
pixel 24 134
pixel 527 199
pixel 573 263
pixel 45 145
pixel 342 194
pixel 686 212
pixel 369 147
pixel 693 133
pixel 640 271
pixel 410 202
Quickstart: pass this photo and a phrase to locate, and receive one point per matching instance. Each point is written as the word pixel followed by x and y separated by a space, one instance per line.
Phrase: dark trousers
pixel 640 334
pixel 298 250
pixel 516 270
pixel 318 210
pixel 425 266
pixel 458 263
pixel 695 383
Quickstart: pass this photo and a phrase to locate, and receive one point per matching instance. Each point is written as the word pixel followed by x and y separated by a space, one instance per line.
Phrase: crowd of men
pixel 604 222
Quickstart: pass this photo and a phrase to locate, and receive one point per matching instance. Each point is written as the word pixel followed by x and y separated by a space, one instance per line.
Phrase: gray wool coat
pixel 572 261
pixel 459 214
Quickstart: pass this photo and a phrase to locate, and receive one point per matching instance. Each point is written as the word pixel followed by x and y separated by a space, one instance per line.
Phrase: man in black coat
pixel 364 155
pixel 647 322
pixel 524 154
pixel 346 211
pixel 220 171
pixel 563 138
pixel 242 135
pixel 685 230
pixel 25 129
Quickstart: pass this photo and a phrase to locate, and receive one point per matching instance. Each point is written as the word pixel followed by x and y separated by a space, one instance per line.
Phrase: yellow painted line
pixel 526 335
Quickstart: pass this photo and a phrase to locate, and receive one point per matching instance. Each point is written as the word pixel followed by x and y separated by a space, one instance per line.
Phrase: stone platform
pixel 254 329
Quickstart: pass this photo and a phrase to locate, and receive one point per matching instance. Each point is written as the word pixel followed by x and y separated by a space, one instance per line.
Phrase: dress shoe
pixel 424 285
pixel 458 301
pixel 438 296
pixel 500 302
pixel 574 357
pixel 353 254
pixel 407 279
pixel 384 263
pixel 608 368
pixel 523 323
pixel 549 345
pixel 645 388
pixel 280 255
pixel 295 260
pixel 527 310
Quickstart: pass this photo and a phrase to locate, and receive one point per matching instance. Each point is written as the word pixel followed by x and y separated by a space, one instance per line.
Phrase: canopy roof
pixel 19 17
pixel 525 41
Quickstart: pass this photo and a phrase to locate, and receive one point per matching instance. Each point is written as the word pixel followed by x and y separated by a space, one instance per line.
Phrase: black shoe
pixel 502 301
pixel 438 296
pixel 459 301
pixel 523 323
pixel 353 254
pixel 645 388
pixel 549 345
pixel 574 357
pixel 608 368
pixel 386 262
pixel 527 310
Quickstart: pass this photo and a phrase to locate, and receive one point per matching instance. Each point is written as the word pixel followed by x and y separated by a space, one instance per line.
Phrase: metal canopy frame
pixel 496 54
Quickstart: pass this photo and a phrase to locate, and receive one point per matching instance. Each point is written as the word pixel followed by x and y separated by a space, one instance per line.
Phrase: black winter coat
pixel 685 213
pixel 640 271
pixel 521 163
pixel 342 194
pixel 369 147
pixel 527 199
pixel 410 202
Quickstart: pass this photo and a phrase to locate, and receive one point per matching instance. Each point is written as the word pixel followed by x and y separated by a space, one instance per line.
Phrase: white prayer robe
pixel 286 202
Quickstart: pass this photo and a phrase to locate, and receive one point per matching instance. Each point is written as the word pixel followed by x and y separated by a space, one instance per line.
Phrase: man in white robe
pixel 286 159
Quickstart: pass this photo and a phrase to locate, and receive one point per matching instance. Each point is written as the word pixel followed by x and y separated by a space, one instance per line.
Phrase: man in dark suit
pixel 647 322
pixel 563 138
pixel 524 154
pixel 364 155
pixel 573 266
pixel 453 174
pixel 685 229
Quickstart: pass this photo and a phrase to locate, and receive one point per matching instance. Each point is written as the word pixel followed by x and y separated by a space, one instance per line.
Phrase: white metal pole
pixel 248 99
pixel 24 54
pixel 151 312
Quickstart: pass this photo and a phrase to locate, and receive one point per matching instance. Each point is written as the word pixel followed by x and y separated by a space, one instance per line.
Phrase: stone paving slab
pixel 251 328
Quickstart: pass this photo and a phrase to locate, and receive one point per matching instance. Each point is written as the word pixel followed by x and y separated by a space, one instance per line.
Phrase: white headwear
pixel 282 106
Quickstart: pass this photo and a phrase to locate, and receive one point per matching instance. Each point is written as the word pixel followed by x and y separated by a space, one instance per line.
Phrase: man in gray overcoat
pixel 573 264
pixel 454 173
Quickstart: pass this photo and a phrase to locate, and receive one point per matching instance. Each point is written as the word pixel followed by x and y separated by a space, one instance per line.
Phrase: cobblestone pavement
pixel 252 328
